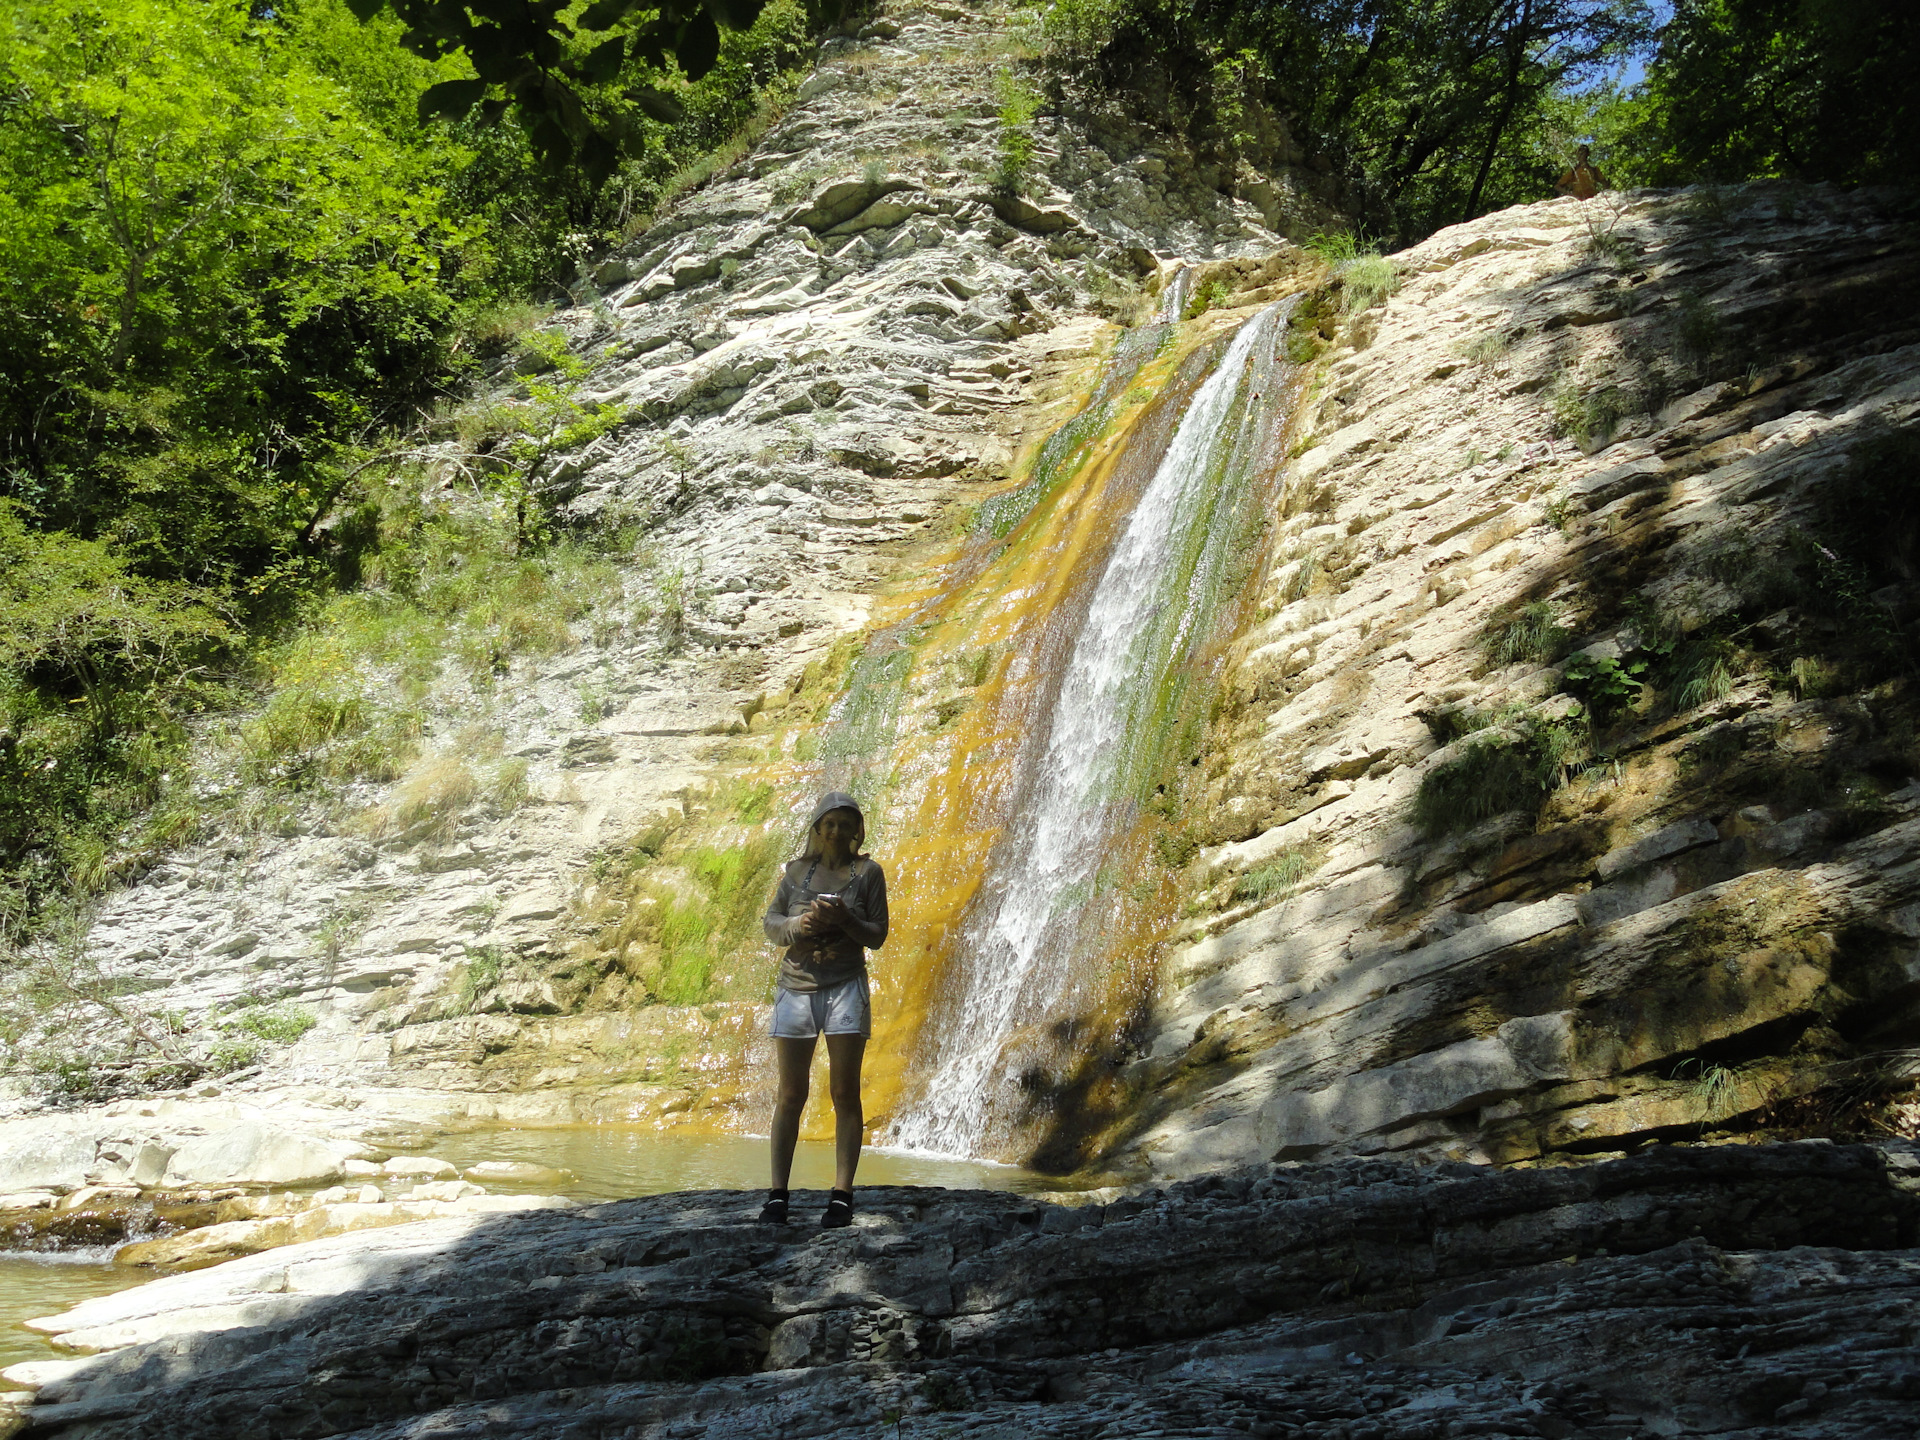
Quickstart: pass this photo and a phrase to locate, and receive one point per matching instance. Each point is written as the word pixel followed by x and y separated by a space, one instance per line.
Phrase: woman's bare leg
pixel 795 1061
pixel 844 1053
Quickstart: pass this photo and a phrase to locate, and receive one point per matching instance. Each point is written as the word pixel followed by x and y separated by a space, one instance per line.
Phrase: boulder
pixel 1273 1299
pixel 252 1153
pixel 44 1154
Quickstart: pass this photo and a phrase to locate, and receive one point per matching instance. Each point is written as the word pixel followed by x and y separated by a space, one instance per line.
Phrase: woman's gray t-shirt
pixel 819 962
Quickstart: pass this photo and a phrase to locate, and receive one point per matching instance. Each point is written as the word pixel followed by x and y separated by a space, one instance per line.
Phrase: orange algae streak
pixel 1042 985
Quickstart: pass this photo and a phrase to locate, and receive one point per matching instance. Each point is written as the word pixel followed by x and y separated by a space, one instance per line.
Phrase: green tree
pixel 216 269
pixel 552 62
pixel 1430 111
pixel 97 667
pixel 1800 89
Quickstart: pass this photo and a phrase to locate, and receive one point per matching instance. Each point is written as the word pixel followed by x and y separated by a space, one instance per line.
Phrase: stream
pixel 604 1163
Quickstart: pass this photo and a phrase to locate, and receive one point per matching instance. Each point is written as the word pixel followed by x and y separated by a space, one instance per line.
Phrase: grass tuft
pixel 282 1025
pixel 1279 875
pixel 1534 634
pixel 1509 769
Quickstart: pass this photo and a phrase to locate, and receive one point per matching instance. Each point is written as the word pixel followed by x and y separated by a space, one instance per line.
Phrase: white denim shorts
pixel 843 1009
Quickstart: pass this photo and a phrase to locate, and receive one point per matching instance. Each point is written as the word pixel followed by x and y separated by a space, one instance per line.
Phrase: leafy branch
pixel 540 61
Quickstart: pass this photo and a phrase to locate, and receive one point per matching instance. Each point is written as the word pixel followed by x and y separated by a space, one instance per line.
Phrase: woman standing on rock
pixel 829 910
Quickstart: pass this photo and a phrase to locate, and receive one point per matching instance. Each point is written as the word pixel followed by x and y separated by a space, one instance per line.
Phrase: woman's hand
pixel 823 917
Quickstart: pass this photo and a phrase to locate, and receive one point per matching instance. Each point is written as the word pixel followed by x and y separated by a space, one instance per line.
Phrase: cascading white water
pixel 1014 963
pixel 1173 299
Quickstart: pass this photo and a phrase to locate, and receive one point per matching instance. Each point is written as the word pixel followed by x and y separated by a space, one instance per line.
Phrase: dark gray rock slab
pixel 1727 1290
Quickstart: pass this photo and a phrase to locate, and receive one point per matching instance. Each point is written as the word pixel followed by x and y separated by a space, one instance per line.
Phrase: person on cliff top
pixel 1584 180
pixel 829 909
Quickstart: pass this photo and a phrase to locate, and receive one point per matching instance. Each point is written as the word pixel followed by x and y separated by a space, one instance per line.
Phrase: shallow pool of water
pixel 611 1162
pixel 607 1162
pixel 34 1284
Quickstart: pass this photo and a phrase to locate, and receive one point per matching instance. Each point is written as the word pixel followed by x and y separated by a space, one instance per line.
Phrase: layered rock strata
pixel 1606 420
pixel 1686 902
pixel 1734 1290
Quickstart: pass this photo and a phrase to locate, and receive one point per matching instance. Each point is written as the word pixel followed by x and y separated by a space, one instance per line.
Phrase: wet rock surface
pixel 1739 1290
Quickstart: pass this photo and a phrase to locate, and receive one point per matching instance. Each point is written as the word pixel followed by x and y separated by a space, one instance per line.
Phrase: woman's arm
pixel 779 927
pixel 865 908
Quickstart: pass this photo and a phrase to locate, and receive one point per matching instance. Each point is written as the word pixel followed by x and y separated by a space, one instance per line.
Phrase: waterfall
pixel 1173 299
pixel 1023 945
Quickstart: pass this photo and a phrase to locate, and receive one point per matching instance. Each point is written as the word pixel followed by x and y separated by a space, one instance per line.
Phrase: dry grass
pixel 427 804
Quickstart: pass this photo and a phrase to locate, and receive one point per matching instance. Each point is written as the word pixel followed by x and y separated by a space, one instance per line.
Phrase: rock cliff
pixel 817 356
pixel 1589 815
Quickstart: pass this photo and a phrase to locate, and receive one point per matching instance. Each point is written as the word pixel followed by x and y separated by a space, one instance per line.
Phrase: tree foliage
pixel 237 270
pixel 1795 89
pixel 553 61
pixel 218 273
pixel 1429 111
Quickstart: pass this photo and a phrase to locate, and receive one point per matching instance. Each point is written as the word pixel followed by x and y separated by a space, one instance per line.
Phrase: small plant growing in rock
pixel 672 613
pixel 1206 297
pixel 1812 678
pixel 943 1391
pixel 1558 512
pixel 1705 205
pixel 541 351
pixel 595 704
pixel 1604 244
pixel 1486 349
pixel 1696 325
pixel 507 787
pixel 794 182
pixel 1590 417
pixel 428 803
pixel 1019 103
pixel 1702 674
pixel 1511 768
pixel 1534 634
pixel 282 1025
pixel 231 1055
pixel 1279 875
pixel 480 974
pixel 1366 276
pixel 1713 1088
pixel 1605 684
pixel 1369 279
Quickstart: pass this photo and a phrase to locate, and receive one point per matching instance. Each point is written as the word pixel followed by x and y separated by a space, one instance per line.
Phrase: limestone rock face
pixel 1699 1291
pixel 816 354
pixel 1701 909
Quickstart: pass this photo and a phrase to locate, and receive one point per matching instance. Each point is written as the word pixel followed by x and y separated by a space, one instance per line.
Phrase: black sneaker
pixel 774 1212
pixel 839 1213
